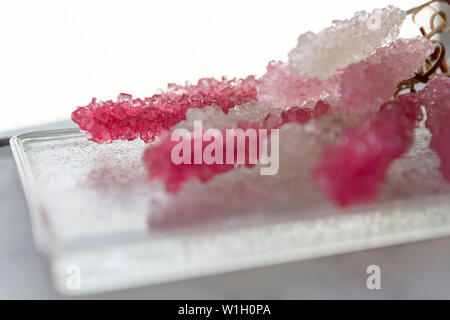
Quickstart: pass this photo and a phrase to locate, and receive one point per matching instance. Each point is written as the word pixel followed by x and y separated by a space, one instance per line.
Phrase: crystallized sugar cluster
pixel 158 157
pixel 351 171
pixel 366 84
pixel 436 98
pixel 320 55
pixel 283 89
pixel 159 164
pixel 362 86
pixel 214 117
pixel 129 118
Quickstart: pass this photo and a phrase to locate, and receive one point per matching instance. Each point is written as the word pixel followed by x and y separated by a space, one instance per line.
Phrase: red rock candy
pixel 351 171
pixel 129 118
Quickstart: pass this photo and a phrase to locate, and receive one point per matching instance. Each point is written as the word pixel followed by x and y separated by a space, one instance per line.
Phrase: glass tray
pixel 96 217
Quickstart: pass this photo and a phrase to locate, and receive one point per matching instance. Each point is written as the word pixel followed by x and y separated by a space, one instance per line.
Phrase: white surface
pixel 418 270
pixel 56 55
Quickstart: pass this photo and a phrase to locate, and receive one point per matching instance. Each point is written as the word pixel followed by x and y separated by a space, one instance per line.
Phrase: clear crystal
pixel 320 55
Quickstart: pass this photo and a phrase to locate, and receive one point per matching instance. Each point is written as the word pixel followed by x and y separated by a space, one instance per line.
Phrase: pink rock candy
pixel 436 98
pixel 347 64
pixel 351 171
pixel 345 42
pixel 368 83
pixel 160 166
pixel 129 118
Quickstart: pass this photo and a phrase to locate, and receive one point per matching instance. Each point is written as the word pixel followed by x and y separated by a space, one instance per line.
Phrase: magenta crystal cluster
pixel 344 42
pixel 332 101
pixel 361 86
pixel 129 118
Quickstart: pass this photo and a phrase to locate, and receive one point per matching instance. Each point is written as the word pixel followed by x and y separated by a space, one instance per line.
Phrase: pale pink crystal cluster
pixel 282 89
pixel 332 102
pixel 366 84
pixel 362 86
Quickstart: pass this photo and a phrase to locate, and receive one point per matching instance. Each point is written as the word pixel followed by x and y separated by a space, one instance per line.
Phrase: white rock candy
pixel 346 41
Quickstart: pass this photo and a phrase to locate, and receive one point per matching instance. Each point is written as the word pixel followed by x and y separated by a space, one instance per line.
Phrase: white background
pixel 57 55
